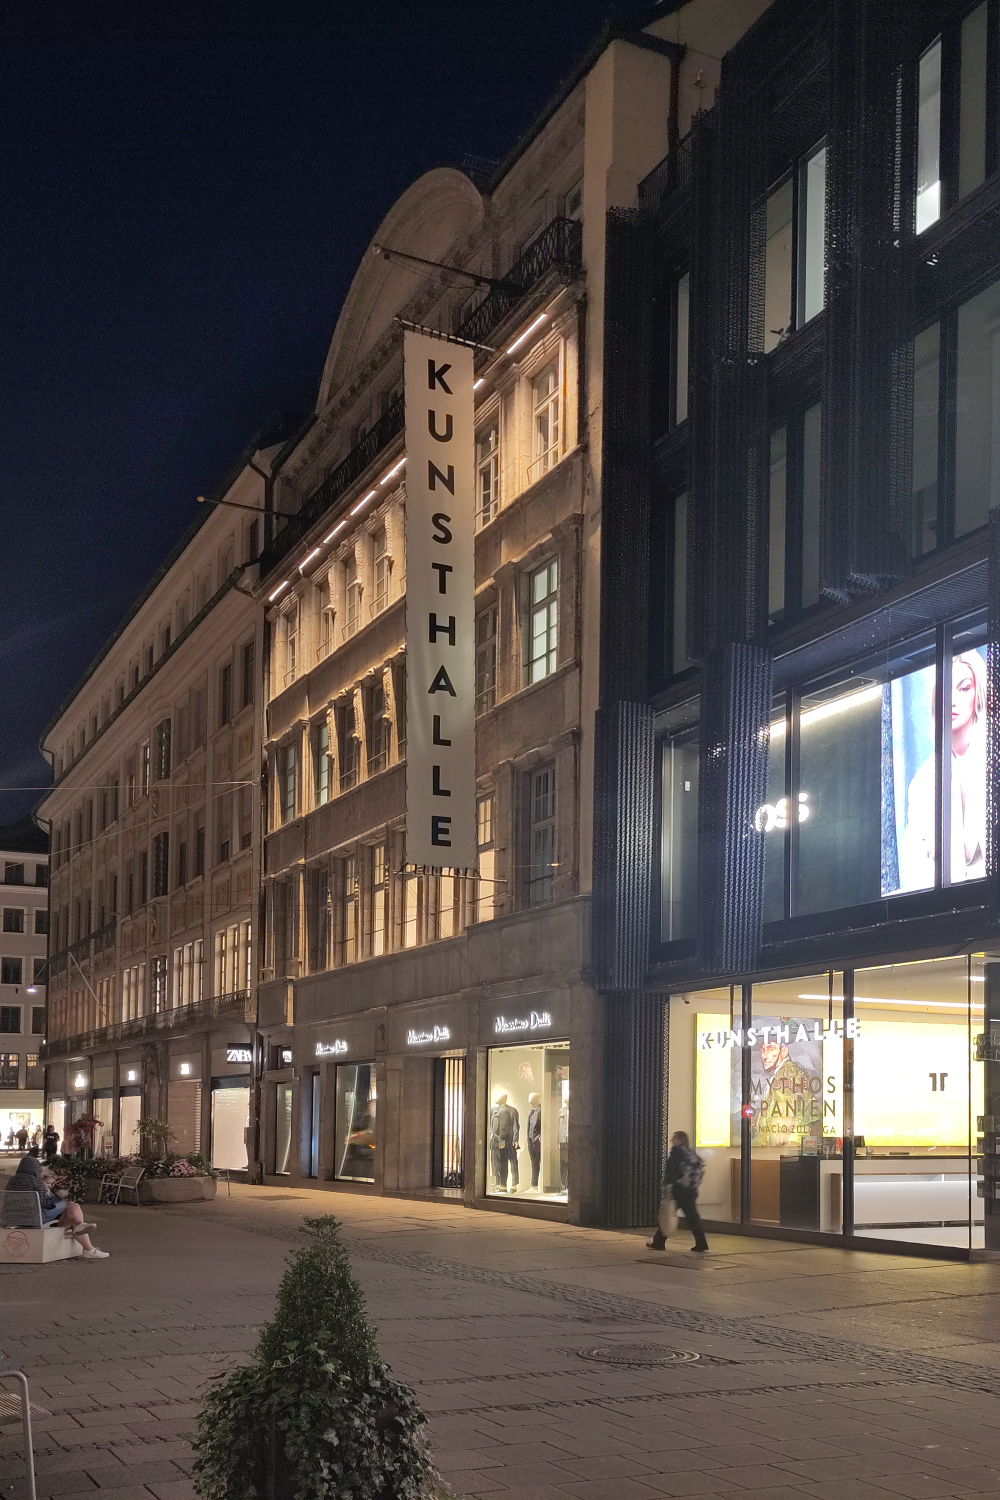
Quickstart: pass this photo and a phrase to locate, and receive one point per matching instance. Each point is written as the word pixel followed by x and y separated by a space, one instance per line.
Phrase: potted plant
pixel 154 1135
pixel 316 1415
pixel 78 1139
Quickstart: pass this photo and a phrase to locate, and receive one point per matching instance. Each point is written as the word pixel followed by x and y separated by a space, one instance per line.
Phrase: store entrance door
pixel 448 1163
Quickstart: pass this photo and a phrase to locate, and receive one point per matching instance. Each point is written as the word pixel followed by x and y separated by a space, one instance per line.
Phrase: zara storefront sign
pixel 506 1026
pixel 785 1034
pixel 331 1049
pixel 440 604
pixel 239 1054
pixel 421 1038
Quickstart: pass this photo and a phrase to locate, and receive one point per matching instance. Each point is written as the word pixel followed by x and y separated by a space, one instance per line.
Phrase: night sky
pixel 183 208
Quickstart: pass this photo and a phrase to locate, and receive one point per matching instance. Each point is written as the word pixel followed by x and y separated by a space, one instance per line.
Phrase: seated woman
pixel 32 1177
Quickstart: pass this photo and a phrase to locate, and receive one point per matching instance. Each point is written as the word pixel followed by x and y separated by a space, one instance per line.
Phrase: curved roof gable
pixel 438 210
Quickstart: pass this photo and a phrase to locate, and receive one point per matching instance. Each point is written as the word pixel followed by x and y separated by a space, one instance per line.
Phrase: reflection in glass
pixel 679 837
pixel 778 266
pixel 812 433
pixel 977 400
pixel 698 1096
pixel 777 507
pixel 926 382
pixel 840 776
pixel 909 840
pixel 282 1128
pixel 794 1058
pixel 913 1071
pixel 812 230
pixel 929 140
pixel 972 102
pixel 772 820
pixel 356 1126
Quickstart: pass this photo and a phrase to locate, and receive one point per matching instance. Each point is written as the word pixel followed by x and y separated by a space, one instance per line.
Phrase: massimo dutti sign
pixel 440 604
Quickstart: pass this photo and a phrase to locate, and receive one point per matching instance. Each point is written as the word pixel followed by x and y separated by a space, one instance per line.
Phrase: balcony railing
pixel 558 247
pixel 674 174
pixel 83 949
pixel 171 1019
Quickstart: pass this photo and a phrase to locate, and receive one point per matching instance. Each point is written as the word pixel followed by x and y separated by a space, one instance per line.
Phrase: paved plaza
pixel 551 1361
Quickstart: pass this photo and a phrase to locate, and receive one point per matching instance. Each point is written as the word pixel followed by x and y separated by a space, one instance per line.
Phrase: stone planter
pixel 176 1189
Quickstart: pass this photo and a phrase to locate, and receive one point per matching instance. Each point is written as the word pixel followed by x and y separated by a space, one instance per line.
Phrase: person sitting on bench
pixel 32 1177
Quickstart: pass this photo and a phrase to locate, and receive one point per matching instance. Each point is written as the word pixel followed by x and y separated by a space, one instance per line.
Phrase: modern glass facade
pixel 843 1102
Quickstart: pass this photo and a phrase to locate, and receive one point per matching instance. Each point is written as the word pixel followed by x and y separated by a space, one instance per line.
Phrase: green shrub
pixel 316 1415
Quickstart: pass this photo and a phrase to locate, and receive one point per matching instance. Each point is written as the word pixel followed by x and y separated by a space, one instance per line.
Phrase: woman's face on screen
pixel 963 697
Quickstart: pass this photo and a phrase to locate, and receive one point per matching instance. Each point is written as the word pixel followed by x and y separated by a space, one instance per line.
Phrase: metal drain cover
pixel 639 1356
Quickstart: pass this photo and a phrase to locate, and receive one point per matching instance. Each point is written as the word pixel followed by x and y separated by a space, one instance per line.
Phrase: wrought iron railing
pixel 378 436
pixel 559 247
pixel 672 174
pixel 232 1007
pixel 83 948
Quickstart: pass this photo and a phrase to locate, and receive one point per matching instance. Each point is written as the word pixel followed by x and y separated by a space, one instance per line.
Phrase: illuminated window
pixel 546 435
pixel 485 886
pixel 794 270
pixel 352 596
pixel 286 782
pixel 487 473
pixel 349 910
pixel 290 620
pixel 486 659
pixel 379 900
pixel 324 612
pixel 541 835
pixel 543 621
pixel 321 763
pixel 381 569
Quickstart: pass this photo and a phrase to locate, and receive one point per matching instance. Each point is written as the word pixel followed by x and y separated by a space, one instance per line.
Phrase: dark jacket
pixel 684 1168
pixel 28 1179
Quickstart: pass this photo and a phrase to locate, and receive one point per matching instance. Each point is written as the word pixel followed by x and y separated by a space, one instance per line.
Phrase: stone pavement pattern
pixel 821 1373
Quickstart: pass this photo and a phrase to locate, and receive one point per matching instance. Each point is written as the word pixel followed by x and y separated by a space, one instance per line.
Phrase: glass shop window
pixel 682 325
pixel 928 207
pixel 356 1133
pixel 954 152
pixel 677 563
pixel 794 270
pixel 977 402
pixel 527 1128
pixel 926 395
pixel 282 1128
pixel 679 837
pixel 794 519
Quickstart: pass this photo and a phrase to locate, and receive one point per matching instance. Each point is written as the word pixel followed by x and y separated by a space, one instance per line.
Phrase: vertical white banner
pixel 440 604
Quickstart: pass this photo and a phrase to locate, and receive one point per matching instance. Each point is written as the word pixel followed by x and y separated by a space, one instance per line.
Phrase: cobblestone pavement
pixel 551 1361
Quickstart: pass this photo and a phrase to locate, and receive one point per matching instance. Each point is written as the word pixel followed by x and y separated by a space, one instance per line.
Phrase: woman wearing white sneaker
pixel 32 1177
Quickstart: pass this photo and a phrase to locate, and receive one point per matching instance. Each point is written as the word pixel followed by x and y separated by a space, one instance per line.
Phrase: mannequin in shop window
pixel 534 1136
pixel 562 1136
pixel 505 1142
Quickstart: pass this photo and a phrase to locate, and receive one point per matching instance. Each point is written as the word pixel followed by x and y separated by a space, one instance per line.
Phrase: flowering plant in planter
pixel 181 1168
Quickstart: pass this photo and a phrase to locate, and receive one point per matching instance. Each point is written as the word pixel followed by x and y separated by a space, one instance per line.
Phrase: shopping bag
pixel 667 1218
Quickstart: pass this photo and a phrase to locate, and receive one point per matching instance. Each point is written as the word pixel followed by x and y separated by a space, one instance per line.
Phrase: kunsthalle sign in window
pixel 440 604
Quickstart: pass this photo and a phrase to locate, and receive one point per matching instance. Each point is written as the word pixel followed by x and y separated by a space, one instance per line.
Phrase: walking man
pixel 682 1176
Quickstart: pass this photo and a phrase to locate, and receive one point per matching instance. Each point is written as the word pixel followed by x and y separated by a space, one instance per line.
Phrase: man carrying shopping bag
pixel 681 1180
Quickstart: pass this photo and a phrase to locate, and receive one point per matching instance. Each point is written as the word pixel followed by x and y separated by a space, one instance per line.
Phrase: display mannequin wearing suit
pixel 534 1135
pixel 508 1140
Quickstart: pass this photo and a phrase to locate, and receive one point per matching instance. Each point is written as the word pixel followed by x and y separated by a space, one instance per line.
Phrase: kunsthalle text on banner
pixel 440 604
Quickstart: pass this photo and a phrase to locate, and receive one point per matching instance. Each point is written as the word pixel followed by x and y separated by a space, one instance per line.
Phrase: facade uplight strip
pixel 364 501
pixel 391 472
pixel 542 318
pixel 306 561
pixel 339 527
pixel 271 597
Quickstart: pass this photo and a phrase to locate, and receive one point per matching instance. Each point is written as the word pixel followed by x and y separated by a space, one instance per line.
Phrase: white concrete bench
pixel 24 1240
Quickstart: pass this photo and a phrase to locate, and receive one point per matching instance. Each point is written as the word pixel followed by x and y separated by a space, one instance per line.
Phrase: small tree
pixel 79 1137
pixel 316 1415
pixel 155 1133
